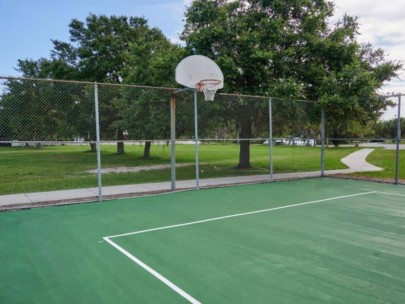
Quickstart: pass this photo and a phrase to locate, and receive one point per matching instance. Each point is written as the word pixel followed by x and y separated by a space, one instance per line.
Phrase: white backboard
pixel 191 70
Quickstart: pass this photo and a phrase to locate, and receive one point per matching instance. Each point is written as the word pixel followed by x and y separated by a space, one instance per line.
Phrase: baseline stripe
pixel 238 214
pixel 394 194
pixel 153 272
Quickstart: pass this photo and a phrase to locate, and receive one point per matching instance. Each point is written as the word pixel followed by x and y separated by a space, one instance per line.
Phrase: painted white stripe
pixel 157 275
pixel 171 285
pixel 388 193
pixel 238 214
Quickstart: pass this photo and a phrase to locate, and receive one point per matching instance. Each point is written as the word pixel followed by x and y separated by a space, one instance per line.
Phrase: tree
pixel 114 49
pixel 141 103
pixel 388 129
pixel 287 49
pixel 37 110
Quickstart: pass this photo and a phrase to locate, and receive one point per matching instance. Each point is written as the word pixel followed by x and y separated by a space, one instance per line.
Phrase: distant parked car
pixel 377 140
pixel 277 142
pixel 296 141
pixel 280 141
pixel 310 142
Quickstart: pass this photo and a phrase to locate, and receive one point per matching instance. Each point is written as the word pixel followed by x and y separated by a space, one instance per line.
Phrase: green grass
pixel 65 167
pixel 385 159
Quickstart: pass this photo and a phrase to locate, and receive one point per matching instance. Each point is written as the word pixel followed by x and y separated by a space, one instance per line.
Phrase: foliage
pixel 35 110
pixel 111 49
pixel 287 49
pixel 388 129
pixel 116 49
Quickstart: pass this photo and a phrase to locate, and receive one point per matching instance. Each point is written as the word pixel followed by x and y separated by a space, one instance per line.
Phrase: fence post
pixel 322 143
pixel 271 138
pixel 398 140
pixel 99 184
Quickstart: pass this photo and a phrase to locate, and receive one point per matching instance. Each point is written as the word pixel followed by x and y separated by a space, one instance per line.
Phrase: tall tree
pixel 286 48
pixel 41 110
pixel 116 49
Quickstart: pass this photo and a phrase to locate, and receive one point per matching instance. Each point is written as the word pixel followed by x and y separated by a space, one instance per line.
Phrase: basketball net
pixel 208 87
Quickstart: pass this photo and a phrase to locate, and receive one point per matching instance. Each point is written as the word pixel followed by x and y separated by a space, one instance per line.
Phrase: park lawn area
pixel 385 159
pixel 66 167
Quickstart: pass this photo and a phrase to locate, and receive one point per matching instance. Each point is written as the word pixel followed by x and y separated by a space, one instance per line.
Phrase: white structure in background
pixel 196 73
pixel 296 141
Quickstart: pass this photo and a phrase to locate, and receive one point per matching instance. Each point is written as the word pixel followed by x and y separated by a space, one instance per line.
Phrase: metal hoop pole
pixel 173 141
pixel 197 175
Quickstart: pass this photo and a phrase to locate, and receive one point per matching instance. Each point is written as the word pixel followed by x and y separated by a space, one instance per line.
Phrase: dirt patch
pixel 137 169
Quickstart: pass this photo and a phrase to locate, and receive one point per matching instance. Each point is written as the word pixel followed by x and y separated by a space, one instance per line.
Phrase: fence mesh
pixel 48 138
pixel 382 154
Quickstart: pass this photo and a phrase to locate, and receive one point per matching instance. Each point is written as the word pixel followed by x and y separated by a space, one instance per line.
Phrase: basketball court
pixel 305 241
pixel 316 240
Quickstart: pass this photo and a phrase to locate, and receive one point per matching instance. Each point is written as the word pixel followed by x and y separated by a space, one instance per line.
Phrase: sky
pixel 29 25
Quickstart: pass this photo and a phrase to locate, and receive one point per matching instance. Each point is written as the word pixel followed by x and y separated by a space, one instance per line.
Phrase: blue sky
pixel 29 25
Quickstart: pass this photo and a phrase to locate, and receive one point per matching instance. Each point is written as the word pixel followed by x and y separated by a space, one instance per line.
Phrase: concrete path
pixel 382 145
pixel 355 161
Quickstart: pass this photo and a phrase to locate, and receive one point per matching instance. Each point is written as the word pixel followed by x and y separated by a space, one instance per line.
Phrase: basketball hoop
pixel 209 87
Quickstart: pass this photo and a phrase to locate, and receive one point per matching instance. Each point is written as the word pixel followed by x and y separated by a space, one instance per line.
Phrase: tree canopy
pixel 281 48
pixel 116 49
pixel 287 49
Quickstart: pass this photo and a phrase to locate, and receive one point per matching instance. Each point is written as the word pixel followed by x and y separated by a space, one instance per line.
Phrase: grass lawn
pixel 66 167
pixel 385 159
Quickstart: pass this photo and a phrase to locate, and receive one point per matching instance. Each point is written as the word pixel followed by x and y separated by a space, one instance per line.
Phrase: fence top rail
pixel 83 82
pixel 170 89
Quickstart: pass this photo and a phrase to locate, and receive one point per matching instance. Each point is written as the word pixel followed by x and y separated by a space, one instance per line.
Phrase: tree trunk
pixel 120 144
pixel 244 149
pixel 146 150
pixel 120 148
pixel 93 147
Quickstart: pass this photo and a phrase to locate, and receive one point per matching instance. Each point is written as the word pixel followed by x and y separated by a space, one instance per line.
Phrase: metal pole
pixel 100 193
pixel 197 176
pixel 398 140
pixel 322 143
pixel 173 142
pixel 271 139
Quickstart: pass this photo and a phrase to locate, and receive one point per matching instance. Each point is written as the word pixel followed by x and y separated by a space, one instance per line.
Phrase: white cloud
pixel 382 24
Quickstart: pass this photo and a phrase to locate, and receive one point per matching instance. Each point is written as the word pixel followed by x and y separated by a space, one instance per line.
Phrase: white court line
pixel 172 285
pixel 388 193
pixel 238 214
pixel 157 275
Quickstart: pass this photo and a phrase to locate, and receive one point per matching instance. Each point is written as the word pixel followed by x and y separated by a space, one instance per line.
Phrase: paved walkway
pixel 382 145
pixel 356 162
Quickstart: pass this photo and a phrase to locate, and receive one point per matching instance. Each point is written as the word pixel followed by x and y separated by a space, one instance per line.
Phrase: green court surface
pixel 305 241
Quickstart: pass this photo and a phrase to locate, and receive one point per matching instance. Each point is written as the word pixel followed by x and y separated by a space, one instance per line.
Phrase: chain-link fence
pixel 379 146
pixel 60 135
